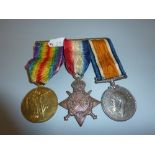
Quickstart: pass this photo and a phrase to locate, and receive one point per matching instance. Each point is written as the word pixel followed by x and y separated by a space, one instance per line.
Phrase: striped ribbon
pixel 105 61
pixel 77 56
pixel 45 63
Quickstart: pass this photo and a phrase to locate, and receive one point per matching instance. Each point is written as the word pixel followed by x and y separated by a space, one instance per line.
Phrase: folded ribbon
pixel 105 61
pixel 45 63
pixel 77 56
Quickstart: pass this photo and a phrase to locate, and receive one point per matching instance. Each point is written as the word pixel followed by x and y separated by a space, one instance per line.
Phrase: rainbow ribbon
pixel 77 56
pixel 45 63
pixel 105 61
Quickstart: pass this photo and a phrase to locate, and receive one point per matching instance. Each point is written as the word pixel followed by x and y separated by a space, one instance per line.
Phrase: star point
pixel 79 103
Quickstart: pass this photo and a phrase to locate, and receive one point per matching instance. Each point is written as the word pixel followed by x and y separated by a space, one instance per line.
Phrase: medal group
pixel 41 103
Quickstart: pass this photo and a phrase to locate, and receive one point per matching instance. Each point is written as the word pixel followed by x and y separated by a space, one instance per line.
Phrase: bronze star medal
pixel 79 103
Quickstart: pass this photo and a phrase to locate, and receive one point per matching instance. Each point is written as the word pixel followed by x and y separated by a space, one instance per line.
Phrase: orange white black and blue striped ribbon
pixel 105 61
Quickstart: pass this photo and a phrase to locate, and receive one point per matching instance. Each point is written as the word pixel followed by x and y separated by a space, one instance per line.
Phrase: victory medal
pixel 41 103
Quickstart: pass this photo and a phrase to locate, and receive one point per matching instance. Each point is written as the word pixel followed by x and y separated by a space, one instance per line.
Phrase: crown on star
pixel 78 85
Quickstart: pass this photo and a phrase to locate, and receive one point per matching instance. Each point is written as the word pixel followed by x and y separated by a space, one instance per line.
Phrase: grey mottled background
pixel 134 41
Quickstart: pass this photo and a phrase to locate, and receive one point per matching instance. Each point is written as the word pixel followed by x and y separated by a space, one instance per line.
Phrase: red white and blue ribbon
pixel 76 56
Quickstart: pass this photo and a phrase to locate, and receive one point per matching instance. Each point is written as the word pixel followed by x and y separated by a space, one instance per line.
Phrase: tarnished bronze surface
pixel 79 103
pixel 39 105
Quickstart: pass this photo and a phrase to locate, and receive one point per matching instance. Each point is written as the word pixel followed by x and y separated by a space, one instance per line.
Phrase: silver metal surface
pixel 118 103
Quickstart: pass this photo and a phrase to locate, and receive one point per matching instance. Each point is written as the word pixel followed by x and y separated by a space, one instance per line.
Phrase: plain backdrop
pixel 134 41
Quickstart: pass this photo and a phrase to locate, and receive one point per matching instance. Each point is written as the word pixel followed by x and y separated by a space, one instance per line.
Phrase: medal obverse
pixel 39 105
pixel 118 103
pixel 77 59
pixel 79 103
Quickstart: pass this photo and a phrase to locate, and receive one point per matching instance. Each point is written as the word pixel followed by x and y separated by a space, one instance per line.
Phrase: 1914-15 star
pixel 79 103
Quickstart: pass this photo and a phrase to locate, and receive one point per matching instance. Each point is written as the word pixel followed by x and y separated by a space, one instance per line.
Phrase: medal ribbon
pixel 105 61
pixel 77 56
pixel 45 63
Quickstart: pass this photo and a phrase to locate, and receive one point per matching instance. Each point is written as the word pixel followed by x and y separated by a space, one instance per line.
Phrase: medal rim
pixel 110 116
pixel 36 121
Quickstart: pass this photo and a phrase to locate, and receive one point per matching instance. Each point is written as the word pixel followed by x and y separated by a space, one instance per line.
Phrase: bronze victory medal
pixel 39 105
